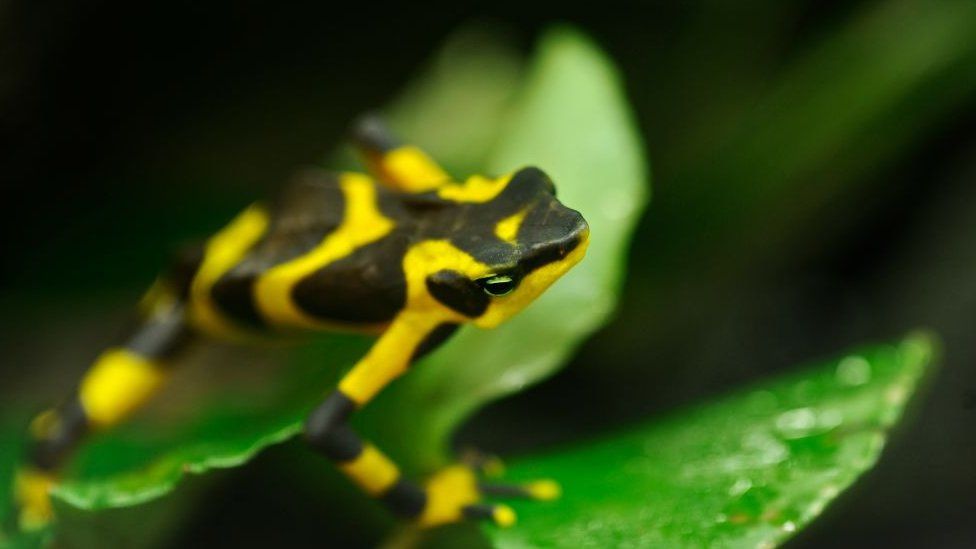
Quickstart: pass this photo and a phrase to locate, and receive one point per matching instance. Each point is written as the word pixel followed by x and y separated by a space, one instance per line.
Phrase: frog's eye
pixel 497 285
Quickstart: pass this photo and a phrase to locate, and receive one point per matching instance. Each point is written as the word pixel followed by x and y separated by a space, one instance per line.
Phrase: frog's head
pixel 520 239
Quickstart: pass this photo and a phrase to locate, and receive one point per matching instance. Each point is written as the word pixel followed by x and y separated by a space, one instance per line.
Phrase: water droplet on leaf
pixel 797 423
pixel 740 486
pixel 853 371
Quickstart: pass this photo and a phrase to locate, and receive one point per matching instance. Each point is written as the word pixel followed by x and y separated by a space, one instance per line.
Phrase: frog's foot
pixel 458 491
pixel 32 496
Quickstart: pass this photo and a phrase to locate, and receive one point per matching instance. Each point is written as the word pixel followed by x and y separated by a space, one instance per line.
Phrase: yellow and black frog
pixel 406 253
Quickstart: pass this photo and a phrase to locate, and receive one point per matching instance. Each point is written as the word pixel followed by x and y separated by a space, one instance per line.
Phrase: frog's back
pixel 326 256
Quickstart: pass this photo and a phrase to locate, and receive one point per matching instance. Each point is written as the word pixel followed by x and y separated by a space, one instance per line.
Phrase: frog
pixel 401 251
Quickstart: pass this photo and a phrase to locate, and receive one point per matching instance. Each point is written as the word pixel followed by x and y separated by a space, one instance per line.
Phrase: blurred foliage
pixel 788 169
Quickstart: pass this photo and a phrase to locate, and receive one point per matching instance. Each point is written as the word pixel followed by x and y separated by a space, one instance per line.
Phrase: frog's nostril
pixel 576 232
pixel 580 229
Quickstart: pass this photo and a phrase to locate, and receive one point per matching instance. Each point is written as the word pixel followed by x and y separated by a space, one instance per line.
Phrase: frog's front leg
pixel 402 167
pixel 450 495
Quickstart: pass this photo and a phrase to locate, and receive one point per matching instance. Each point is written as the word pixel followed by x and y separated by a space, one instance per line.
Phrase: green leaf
pixel 115 481
pixel 573 121
pixel 749 470
pixel 571 87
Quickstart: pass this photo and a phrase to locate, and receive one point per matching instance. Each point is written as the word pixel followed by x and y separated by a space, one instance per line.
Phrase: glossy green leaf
pixel 571 86
pixel 749 470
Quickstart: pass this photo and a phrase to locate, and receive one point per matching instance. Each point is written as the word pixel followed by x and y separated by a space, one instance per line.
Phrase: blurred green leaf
pixel 11 441
pixel 115 481
pixel 569 118
pixel 792 170
pixel 455 109
pixel 747 471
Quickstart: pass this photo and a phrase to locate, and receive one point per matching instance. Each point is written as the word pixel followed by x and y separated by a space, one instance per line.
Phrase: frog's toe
pixel 502 515
pixel 459 492
pixel 31 495
pixel 540 490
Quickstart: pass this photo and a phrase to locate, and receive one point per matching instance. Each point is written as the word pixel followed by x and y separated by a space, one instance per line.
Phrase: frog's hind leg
pixel 121 379
pixel 402 167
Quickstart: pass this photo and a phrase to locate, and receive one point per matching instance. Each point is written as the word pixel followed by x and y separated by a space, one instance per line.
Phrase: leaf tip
pixel 922 347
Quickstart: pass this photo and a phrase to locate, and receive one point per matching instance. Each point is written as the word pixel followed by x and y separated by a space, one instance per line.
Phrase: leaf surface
pixel 748 470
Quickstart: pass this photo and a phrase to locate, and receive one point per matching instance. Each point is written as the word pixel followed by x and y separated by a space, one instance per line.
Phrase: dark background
pixel 127 127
